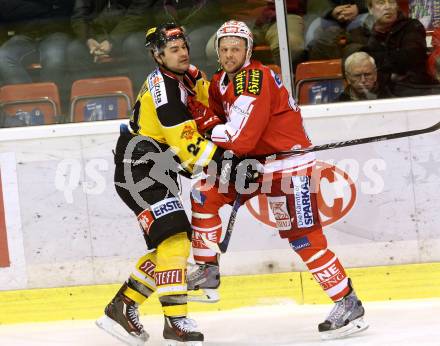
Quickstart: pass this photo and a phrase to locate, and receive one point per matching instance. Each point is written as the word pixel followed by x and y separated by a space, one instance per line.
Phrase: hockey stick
pixel 222 246
pixel 356 141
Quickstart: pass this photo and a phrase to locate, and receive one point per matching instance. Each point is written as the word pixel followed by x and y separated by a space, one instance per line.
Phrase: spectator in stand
pixel 200 19
pixel 339 32
pixel 246 11
pixel 38 32
pixel 266 32
pixel 434 57
pixel 3 30
pixel 116 29
pixel 361 76
pixel 427 11
pixel 110 29
pixel 3 38
pixel 398 45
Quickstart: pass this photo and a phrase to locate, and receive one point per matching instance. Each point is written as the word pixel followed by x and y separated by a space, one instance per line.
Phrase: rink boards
pixel 384 283
pixel 63 224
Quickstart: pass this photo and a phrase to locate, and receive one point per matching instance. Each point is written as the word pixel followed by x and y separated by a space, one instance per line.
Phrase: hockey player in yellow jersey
pixel 161 141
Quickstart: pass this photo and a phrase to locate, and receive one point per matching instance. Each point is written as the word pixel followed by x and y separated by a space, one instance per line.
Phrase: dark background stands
pixel 123 23
pixel 401 55
pixel 119 23
pixel 330 37
pixel 200 19
pixel 37 31
pixel 265 30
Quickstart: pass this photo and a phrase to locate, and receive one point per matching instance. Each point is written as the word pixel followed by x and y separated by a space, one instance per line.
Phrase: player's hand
pixel 195 73
pixel 203 116
pixel 246 173
pixel 238 171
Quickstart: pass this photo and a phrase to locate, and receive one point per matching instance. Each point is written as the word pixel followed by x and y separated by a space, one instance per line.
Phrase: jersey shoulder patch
pixel 156 85
pixel 255 81
pixel 277 79
pixel 249 81
pixel 239 83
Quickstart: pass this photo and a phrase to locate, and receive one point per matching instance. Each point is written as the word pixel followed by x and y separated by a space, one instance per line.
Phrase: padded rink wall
pixel 62 226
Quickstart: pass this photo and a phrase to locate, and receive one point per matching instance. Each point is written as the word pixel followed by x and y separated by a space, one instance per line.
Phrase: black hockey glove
pixel 238 171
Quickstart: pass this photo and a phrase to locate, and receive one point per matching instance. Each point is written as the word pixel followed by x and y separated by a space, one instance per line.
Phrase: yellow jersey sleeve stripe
pixel 206 155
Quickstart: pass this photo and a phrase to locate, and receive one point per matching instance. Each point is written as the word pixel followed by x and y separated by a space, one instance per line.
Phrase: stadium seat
pixel 319 81
pixel 261 47
pixel 101 99
pixel 31 104
pixel 262 53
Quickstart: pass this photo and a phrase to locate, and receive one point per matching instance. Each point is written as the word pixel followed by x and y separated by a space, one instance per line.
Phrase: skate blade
pixel 355 326
pixel 187 343
pixel 204 295
pixel 183 343
pixel 115 330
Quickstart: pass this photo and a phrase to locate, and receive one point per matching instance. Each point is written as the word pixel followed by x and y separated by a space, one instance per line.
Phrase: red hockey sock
pixel 211 228
pixel 330 274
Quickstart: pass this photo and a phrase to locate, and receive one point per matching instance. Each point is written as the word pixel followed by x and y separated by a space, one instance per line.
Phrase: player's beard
pixel 238 67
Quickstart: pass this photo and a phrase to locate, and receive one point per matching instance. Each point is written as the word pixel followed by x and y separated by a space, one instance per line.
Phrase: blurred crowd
pixel 63 41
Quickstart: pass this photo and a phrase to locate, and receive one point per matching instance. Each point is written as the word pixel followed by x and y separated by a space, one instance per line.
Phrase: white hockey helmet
pixel 237 29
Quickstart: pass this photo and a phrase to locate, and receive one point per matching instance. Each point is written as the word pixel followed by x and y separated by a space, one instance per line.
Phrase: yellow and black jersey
pixel 160 113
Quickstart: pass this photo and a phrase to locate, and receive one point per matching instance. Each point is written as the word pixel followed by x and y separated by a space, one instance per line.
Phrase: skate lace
pixel 186 325
pixel 337 312
pixel 346 305
pixel 197 274
pixel 133 314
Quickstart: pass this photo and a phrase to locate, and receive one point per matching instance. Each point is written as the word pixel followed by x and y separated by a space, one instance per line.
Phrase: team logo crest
pixel 145 220
pixel 254 82
pixel 239 83
pixel 278 210
pixel 330 211
pixel 187 132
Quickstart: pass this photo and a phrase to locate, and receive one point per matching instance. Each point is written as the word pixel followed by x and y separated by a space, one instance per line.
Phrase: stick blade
pixel 210 244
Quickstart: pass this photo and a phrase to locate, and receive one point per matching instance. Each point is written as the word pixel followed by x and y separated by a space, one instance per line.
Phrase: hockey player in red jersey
pixel 251 113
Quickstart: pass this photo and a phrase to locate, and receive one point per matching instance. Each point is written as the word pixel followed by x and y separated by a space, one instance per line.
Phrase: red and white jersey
pixel 261 118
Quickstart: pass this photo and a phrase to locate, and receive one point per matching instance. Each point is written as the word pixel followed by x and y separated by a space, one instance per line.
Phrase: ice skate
pixel 203 281
pixel 181 331
pixel 121 320
pixel 346 318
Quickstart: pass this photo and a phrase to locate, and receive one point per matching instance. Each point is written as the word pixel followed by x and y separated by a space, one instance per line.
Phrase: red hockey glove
pixel 203 116
pixel 192 75
pixel 194 72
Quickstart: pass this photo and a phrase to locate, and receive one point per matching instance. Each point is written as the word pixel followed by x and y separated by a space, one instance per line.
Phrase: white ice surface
pixel 391 323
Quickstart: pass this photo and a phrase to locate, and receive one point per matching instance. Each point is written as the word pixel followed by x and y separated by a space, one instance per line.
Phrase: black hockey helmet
pixel 157 37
